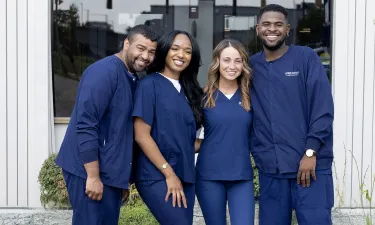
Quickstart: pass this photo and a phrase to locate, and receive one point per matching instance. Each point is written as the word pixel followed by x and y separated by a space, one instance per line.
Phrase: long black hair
pixel 188 77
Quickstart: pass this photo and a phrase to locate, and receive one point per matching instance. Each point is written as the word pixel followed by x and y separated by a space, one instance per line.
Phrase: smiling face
pixel 140 52
pixel 272 29
pixel 231 64
pixel 179 54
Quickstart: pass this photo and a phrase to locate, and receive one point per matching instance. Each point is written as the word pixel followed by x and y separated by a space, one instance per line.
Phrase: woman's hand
pixel 176 190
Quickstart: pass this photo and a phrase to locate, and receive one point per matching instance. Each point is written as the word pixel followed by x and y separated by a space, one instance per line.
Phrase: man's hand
pixel 94 188
pixel 125 196
pixel 306 169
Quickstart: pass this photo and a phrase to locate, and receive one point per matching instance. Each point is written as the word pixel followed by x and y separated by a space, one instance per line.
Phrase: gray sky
pixel 125 12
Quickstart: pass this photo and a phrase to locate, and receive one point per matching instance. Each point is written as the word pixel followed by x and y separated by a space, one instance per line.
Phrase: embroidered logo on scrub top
pixel 292 74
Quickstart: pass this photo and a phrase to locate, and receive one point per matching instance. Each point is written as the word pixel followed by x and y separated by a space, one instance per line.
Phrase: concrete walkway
pixel 63 217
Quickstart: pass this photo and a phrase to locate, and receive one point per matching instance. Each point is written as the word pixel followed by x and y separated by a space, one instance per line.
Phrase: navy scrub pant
pixel 278 196
pixel 90 212
pixel 153 194
pixel 213 196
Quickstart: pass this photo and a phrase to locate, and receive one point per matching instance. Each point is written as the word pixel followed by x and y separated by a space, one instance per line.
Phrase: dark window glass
pixel 310 22
pixel 85 31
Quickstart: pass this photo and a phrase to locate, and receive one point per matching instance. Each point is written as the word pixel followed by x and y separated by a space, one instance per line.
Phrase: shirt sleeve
pixel 144 103
pixel 320 104
pixel 95 93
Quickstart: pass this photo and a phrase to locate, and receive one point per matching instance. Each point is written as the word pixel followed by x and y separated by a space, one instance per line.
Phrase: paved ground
pixel 63 217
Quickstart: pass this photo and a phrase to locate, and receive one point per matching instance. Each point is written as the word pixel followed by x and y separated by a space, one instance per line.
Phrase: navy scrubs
pixel 100 128
pixel 173 128
pixel 224 171
pixel 293 112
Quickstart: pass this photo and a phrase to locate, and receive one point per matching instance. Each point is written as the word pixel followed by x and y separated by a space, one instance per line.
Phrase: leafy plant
pixel 256 179
pixel 136 213
pixel 53 191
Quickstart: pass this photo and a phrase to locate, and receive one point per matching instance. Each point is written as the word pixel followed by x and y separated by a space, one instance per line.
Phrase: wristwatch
pixel 310 153
pixel 164 166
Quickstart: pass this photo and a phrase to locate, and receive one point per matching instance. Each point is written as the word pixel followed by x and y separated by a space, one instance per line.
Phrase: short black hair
pixel 273 8
pixel 144 30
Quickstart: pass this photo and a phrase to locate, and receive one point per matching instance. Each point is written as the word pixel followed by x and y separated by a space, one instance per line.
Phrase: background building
pixel 45 46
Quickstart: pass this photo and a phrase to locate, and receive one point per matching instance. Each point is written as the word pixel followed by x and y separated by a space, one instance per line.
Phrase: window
pixel 310 22
pixel 85 31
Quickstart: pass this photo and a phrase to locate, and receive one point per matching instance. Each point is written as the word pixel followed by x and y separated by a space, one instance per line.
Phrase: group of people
pixel 275 105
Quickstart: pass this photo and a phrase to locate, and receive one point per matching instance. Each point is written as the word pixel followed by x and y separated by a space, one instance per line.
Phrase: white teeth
pixel 178 62
pixel 231 73
pixel 271 37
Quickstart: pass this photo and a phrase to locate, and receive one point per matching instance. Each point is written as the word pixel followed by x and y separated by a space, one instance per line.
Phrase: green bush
pixel 256 179
pixel 136 214
pixel 53 193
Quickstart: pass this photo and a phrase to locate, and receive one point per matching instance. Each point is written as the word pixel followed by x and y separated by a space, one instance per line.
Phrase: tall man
pixel 292 132
pixel 96 154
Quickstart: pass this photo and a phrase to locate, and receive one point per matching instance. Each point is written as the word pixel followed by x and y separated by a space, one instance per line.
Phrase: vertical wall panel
pixel 22 103
pixel 353 69
pixel 3 100
pixel 342 92
pixel 31 51
pixel 359 59
pixel 349 145
pixel 12 77
pixel 368 95
pixel 39 125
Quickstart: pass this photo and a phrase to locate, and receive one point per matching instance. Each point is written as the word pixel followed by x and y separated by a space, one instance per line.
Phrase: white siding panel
pixel 340 84
pixel 3 100
pixel 12 73
pixel 22 104
pixel 368 94
pixel 38 92
pixel 359 58
pixel 369 98
pixel 349 145
pixel 354 83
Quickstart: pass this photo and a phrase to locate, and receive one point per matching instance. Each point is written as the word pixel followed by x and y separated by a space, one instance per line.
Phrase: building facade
pixel 45 46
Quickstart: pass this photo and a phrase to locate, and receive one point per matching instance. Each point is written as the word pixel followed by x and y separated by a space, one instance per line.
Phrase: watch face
pixel 309 153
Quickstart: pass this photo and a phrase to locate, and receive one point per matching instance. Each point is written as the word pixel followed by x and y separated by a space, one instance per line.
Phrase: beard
pixel 132 65
pixel 274 47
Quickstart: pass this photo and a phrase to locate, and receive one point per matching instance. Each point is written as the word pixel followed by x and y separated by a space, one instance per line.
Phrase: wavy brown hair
pixel 244 80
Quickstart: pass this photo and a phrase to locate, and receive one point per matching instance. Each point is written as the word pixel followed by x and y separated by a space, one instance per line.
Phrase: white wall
pixel 353 82
pixel 25 119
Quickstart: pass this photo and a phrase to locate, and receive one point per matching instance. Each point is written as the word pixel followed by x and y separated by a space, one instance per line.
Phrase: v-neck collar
pixel 171 84
pixel 232 98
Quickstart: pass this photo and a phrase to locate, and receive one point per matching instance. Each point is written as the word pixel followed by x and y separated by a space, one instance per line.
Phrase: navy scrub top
pixel 101 125
pixel 173 128
pixel 225 151
pixel 293 111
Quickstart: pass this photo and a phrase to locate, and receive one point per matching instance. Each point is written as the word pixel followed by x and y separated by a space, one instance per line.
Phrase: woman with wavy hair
pixel 224 172
pixel 167 110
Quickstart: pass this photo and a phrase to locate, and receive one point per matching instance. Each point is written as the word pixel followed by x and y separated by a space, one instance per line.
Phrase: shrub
pixel 256 179
pixel 135 214
pixel 53 193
